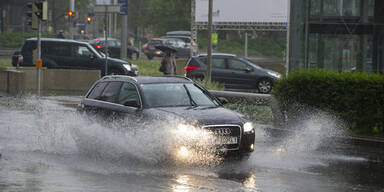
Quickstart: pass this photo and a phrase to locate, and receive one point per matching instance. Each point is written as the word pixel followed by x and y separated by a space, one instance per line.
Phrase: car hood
pixel 202 115
pixel 114 60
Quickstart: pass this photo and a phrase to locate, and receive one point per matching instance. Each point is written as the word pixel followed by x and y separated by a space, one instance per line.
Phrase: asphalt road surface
pixel 47 146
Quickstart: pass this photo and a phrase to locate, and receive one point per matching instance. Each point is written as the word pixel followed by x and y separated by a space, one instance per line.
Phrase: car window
pixel 118 43
pixel 237 65
pixel 173 94
pixel 111 43
pixel 218 63
pixel 28 47
pixel 165 95
pixel 179 43
pixel 110 93
pixel 128 92
pixel 57 49
pixel 170 42
pixel 81 51
pixel 97 90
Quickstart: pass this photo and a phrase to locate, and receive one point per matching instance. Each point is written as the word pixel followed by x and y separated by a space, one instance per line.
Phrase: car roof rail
pixel 109 77
pixel 177 76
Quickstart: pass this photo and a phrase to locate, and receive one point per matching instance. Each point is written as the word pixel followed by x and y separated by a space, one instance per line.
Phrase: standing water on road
pixel 48 146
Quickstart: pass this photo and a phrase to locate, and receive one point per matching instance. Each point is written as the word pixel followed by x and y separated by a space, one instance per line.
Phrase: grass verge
pixel 5 63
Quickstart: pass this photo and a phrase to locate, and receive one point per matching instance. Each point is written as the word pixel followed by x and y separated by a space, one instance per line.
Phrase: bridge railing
pixel 254 99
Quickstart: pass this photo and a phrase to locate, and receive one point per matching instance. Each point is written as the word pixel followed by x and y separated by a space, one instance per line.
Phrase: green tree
pixel 168 15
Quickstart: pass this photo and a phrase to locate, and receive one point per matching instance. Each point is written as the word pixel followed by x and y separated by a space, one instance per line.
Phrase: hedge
pixel 16 39
pixel 356 98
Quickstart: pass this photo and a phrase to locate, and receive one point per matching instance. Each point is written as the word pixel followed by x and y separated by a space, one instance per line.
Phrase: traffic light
pixel 70 13
pixel 89 19
pixel 42 10
pixel 37 10
pixel 32 17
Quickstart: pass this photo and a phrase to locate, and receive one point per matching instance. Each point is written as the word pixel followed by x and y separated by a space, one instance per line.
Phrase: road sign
pixel 103 2
pixel 107 8
pixel 123 7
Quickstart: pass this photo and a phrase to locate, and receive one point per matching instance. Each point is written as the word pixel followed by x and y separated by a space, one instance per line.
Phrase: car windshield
pixel 175 94
pixel 96 52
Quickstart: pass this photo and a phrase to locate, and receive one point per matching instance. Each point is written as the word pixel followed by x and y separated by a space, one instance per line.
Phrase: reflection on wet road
pixel 47 146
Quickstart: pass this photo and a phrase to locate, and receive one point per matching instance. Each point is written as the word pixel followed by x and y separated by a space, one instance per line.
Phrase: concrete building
pixel 12 15
pixel 336 35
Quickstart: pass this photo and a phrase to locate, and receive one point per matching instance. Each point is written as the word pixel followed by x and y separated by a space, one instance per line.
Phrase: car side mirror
pixel 248 69
pixel 92 56
pixel 132 103
pixel 223 100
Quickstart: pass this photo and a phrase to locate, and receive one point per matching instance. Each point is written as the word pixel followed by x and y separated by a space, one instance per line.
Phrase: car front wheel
pixel 264 86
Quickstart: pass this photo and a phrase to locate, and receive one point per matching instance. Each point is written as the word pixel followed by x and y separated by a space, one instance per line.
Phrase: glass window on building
pixel 336 35
pixel 341 7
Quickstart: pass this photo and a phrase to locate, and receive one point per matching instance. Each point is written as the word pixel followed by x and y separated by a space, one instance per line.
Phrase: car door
pixel 183 50
pixel 241 75
pixel 114 48
pixel 219 71
pixel 59 53
pixel 111 100
pixel 83 58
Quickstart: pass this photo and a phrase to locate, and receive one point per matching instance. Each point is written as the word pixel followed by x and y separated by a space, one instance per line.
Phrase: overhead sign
pixel 107 8
pixel 123 7
pixel 234 11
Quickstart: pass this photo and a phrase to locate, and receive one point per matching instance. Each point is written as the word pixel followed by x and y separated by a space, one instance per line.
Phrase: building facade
pixel 336 35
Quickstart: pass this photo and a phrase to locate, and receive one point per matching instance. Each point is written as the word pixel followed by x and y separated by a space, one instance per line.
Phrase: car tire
pixel 264 85
pixel 150 57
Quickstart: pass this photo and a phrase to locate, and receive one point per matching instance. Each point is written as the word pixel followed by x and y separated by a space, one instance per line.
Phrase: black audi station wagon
pixel 227 132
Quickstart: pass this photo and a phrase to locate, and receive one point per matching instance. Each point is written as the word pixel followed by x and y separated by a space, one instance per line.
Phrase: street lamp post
pixel 209 56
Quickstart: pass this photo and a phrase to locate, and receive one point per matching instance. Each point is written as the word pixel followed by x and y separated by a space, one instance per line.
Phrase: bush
pixel 357 98
pixel 16 39
pixel 210 85
pixel 256 47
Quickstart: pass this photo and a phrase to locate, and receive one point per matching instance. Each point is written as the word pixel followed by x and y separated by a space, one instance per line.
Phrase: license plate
pixel 224 140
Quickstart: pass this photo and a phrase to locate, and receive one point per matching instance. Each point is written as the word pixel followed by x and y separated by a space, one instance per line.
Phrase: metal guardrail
pixel 254 99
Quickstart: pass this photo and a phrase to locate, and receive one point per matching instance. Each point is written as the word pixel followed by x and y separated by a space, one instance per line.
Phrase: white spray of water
pixel 299 148
pixel 44 125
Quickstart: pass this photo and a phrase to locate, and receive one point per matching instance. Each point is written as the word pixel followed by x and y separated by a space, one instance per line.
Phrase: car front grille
pixel 226 131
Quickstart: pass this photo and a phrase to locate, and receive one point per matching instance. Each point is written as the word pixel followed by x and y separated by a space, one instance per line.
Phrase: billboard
pixel 246 11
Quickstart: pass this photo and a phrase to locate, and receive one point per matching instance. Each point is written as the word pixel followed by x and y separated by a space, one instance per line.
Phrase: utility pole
pixel 106 26
pixel 72 10
pixel 124 29
pixel 38 61
pixel 246 44
pixel 209 57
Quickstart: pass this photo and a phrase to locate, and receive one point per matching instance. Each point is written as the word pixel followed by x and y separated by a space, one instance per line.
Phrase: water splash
pixel 300 146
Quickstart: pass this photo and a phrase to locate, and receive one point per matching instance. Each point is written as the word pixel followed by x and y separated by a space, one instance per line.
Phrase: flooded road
pixel 47 146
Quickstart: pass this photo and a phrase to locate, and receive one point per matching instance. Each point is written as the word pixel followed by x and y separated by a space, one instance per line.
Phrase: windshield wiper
pixel 193 103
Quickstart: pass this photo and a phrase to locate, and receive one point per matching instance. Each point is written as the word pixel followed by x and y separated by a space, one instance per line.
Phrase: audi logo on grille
pixel 223 131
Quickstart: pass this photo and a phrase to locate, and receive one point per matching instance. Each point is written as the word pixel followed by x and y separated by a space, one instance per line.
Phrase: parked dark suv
pixel 234 72
pixel 183 50
pixel 114 47
pixel 70 54
pixel 195 117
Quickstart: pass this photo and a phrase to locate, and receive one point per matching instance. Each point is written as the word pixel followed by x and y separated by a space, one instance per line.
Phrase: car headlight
pixel 128 67
pixel 276 75
pixel 185 130
pixel 248 127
